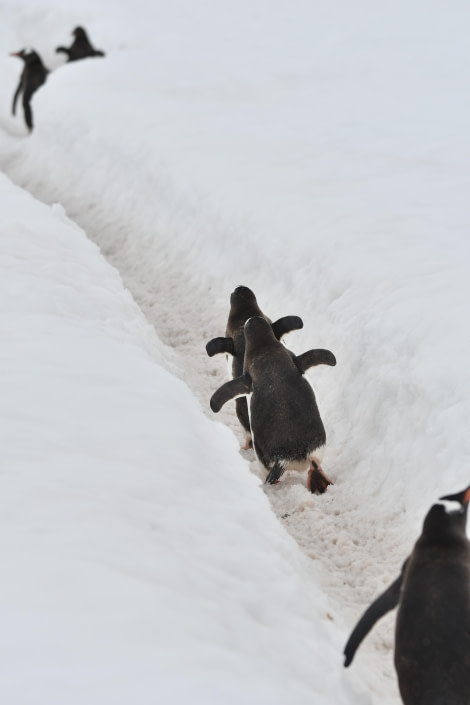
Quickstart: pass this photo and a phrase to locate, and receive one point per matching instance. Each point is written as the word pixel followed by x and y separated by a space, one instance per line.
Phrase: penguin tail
pixel 275 473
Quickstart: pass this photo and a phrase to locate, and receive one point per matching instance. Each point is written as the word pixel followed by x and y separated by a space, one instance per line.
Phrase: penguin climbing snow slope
pixel 432 632
pixel 34 74
pixel 80 48
pixel 288 433
pixel 243 305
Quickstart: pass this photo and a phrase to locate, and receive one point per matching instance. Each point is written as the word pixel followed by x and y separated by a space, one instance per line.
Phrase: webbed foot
pixel 317 481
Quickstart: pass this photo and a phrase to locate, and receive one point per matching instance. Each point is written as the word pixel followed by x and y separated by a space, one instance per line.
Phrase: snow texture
pixel 319 155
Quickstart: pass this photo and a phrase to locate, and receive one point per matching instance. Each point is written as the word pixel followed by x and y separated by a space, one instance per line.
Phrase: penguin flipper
pixel 63 50
pixel 314 357
pixel 387 601
pixel 286 324
pixel 235 388
pixel 28 115
pixel 15 97
pixel 220 345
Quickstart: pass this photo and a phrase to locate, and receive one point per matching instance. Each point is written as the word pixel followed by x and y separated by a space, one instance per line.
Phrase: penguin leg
pixel 220 345
pixel 28 116
pixel 286 324
pixel 317 481
pixel 15 97
pixel 243 416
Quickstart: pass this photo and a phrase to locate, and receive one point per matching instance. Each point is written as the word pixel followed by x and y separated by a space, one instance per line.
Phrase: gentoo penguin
pixel 33 75
pixel 287 430
pixel 80 48
pixel 432 632
pixel 243 305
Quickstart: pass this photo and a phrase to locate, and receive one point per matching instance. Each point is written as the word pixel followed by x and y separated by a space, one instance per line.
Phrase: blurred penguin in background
pixel 34 74
pixel 80 48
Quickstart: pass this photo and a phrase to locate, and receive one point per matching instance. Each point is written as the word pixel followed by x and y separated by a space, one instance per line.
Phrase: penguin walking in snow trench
pixel 288 433
pixel 432 632
pixel 81 47
pixel 243 305
pixel 34 74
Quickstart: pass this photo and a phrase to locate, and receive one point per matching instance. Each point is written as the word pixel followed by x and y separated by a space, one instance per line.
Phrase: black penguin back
pixel 432 635
pixel 285 420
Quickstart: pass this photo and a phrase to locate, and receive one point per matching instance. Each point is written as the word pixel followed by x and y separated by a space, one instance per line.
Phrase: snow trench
pixel 379 286
pixel 184 293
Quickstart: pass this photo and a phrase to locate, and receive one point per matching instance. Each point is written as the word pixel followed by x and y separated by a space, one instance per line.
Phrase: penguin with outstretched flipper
pixel 288 433
pixel 34 74
pixel 81 47
pixel 432 631
pixel 243 305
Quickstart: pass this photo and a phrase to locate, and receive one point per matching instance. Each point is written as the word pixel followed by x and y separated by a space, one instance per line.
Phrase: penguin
pixel 432 592
pixel 288 432
pixel 243 305
pixel 80 48
pixel 34 74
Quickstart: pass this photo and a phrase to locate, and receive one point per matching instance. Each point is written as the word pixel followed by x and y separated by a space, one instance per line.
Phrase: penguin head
pixel 448 517
pixel 22 54
pixel 79 32
pixel 456 503
pixel 243 304
pixel 28 55
pixel 242 294
pixel 258 332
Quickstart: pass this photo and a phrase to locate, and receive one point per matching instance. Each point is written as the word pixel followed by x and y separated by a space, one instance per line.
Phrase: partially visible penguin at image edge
pixel 432 592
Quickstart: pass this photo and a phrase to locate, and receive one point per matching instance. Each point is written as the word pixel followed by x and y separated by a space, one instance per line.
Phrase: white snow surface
pixel 317 153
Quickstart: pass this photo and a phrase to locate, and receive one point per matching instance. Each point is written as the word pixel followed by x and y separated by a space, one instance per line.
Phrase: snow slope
pixel 140 562
pixel 317 154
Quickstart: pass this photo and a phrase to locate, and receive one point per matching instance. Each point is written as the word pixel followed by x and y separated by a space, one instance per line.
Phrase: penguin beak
pixel 462 497
pixel 15 53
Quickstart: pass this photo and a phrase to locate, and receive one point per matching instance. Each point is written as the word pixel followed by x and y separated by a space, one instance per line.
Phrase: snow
pixel 319 155
pixel 129 566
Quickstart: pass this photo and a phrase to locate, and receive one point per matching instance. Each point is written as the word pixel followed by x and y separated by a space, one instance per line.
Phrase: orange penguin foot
pixel 317 481
pixel 248 444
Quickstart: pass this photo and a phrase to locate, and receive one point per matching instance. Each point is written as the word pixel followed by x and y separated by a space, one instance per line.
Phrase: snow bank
pixel 317 155
pixel 140 560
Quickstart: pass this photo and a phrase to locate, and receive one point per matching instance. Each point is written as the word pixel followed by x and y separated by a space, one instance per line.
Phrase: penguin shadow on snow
pixel 284 422
pixel 432 593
